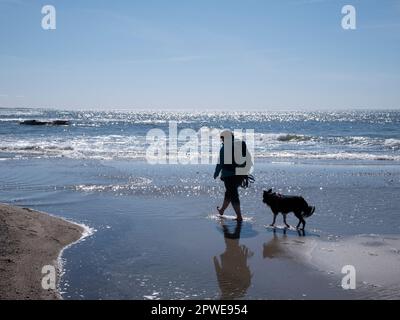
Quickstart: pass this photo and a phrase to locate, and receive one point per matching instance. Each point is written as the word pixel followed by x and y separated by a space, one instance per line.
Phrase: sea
pixel 106 135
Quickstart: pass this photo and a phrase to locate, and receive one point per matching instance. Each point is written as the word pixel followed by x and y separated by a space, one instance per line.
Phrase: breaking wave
pixel 109 135
pixel 392 143
pixel 288 146
pixel 293 137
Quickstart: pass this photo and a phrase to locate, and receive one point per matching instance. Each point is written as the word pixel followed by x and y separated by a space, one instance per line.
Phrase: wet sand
pixel 375 259
pixel 30 240
pixel 160 237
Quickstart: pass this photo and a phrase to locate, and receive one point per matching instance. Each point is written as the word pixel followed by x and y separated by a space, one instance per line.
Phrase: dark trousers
pixel 231 185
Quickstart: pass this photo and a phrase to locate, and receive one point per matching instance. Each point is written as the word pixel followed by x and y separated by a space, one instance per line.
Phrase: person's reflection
pixel 233 273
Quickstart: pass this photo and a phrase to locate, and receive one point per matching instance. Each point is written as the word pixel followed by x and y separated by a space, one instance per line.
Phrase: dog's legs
pixel 273 222
pixel 298 216
pixel 284 221
pixel 301 220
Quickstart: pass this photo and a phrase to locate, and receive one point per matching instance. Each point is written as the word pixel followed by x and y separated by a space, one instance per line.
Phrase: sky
pixel 200 55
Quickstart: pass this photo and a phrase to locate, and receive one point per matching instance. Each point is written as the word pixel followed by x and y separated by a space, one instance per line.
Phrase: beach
pixel 30 240
pixel 157 238
pixel 156 231
pixel 216 152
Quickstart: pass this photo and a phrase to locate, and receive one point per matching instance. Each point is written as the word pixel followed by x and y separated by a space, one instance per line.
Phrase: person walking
pixel 234 166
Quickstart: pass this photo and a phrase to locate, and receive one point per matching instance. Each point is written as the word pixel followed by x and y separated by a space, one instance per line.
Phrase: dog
pixel 285 204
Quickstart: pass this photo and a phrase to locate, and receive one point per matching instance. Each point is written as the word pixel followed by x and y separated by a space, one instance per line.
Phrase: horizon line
pixel 223 109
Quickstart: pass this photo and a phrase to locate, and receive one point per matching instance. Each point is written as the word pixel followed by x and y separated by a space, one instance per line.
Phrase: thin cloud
pixel 305 2
pixel 137 27
pixel 12 2
pixel 167 59
pixel 259 54
pixel 381 26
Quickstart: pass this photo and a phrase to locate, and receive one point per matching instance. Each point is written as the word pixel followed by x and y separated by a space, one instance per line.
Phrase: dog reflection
pixel 233 273
pixel 277 246
pixel 273 248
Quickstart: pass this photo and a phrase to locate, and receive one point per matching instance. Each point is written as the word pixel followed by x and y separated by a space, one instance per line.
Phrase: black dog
pixel 285 204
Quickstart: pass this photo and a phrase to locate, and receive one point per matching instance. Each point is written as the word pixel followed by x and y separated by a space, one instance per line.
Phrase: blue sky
pixel 200 54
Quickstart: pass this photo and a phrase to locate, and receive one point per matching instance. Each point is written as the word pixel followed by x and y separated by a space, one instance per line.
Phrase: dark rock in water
pixel 60 123
pixel 43 123
pixel 33 123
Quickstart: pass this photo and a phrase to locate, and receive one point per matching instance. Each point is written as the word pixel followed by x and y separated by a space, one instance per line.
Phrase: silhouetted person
pixel 233 273
pixel 234 165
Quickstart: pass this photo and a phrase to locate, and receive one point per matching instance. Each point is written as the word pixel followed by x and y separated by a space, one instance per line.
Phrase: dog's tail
pixel 308 212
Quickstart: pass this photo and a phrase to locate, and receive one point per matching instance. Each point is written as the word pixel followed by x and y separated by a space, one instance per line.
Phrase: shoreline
pixel 30 240
pixel 161 238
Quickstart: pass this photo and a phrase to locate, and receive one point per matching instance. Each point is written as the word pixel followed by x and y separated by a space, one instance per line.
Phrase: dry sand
pixel 30 240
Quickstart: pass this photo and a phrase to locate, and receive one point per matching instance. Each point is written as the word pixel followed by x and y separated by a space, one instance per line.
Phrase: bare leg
pixel 238 212
pixel 224 206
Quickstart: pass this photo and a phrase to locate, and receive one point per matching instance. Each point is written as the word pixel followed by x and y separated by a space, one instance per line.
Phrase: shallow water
pixel 158 236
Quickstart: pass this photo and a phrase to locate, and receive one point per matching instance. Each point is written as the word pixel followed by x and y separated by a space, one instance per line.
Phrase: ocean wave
pixel 145 186
pixel 282 137
pixel 119 145
pixel 133 185
pixel 131 148
pixel 329 156
pixel 21 112
pixel 36 148
pixel 392 143
pixel 11 120
pixel 95 147
pixel 293 137
pixel 352 141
